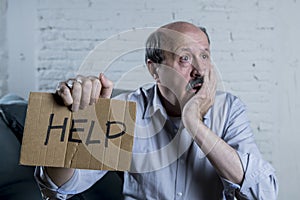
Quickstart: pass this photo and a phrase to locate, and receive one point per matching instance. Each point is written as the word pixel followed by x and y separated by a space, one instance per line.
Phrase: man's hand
pixel 222 156
pixel 79 92
pixel 195 109
pixel 82 91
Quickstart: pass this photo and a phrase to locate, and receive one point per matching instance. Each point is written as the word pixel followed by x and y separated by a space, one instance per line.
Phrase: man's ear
pixel 152 68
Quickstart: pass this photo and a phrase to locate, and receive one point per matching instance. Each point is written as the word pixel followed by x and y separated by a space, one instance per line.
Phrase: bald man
pixel 191 141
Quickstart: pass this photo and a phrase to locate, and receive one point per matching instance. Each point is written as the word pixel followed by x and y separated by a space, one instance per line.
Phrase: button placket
pixel 181 174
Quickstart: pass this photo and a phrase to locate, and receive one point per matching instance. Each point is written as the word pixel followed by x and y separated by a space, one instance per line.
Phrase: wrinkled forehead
pixel 172 41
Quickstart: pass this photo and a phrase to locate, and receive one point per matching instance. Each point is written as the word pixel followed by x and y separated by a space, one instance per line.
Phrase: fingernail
pixel 101 75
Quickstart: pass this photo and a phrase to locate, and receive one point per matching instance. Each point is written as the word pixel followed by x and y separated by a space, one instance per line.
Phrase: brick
pixel 46 4
pixel 63 24
pixel 82 35
pixel 52 55
pixel 68 45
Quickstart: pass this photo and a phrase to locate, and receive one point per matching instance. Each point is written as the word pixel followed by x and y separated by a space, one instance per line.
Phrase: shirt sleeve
pixel 259 180
pixel 79 182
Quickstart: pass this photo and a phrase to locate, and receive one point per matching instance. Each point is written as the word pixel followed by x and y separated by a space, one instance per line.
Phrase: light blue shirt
pixel 168 164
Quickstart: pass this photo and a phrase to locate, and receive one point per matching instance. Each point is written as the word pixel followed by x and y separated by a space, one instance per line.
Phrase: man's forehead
pixel 192 49
pixel 173 40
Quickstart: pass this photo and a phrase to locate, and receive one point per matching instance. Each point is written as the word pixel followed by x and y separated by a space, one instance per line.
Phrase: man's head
pixel 176 55
pixel 153 45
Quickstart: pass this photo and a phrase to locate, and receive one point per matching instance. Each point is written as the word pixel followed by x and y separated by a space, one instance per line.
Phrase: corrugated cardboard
pixel 98 137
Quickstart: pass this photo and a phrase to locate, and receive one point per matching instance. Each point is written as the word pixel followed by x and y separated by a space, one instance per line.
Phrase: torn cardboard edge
pixel 98 137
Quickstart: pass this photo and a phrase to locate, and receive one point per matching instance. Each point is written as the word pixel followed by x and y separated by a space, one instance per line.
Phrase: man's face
pixel 187 58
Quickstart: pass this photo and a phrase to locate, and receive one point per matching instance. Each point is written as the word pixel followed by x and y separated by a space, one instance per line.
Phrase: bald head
pixel 184 27
pixel 166 34
pixel 181 26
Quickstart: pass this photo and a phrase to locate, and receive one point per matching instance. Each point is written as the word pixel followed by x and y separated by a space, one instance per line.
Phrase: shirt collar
pixel 154 104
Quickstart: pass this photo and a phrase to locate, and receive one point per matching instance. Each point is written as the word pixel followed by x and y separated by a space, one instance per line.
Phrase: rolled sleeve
pixel 260 181
pixel 80 181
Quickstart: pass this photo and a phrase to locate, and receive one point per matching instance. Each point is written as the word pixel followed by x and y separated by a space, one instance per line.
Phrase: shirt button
pixel 179 194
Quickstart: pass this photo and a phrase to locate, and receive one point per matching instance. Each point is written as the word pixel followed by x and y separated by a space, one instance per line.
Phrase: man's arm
pixel 78 182
pixel 235 156
pixel 259 180
pixel 222 156
pixel 59 175
pixel 84 91
pixel 81 92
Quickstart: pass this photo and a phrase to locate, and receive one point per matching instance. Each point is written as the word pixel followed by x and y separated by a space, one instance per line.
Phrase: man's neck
pixel 173 110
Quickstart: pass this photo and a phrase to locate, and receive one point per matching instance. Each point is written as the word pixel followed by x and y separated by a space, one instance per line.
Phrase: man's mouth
pixel 195 84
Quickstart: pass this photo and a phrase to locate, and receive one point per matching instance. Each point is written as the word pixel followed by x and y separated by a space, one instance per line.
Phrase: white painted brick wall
pixel 241 35
pixel 245 48
pixel 3 48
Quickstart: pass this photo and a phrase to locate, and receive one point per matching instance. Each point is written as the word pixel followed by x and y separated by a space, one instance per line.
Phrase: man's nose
pixel 198 67
pixel 195 73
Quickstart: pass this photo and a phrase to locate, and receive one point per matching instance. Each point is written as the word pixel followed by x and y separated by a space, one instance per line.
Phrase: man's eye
pixel 204 56
pixel 184 58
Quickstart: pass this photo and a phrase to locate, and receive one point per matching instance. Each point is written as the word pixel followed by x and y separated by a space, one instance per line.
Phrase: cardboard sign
pixel 98 137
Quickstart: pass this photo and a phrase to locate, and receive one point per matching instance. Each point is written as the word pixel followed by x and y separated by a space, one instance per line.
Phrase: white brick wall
pixel 68 31
pixel 246 36
pixel 3 49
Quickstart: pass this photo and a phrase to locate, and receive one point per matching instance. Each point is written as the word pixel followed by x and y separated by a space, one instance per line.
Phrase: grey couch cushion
pixel 16 182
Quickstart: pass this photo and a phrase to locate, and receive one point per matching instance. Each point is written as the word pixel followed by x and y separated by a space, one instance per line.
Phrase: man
pixel 199 140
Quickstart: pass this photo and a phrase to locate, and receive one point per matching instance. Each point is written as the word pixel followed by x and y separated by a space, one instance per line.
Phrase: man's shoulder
pixel 146 91
pixel 223 96
pixel 227 101
pixel 225 108
pixel 119 92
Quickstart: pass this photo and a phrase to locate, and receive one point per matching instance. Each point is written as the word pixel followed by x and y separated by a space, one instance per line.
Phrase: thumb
pixel 107 86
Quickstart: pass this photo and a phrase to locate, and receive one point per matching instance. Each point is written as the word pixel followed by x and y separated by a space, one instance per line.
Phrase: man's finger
pixel 96 88
pixel 107 86
pixel 213 79
pixel 212 74
pixel 64 92
pixel 76 95
pixel 203 91
pixel 206 76
pixel 86 89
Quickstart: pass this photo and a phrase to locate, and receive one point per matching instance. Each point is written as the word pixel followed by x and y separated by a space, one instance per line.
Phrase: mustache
pixel 195 83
